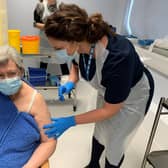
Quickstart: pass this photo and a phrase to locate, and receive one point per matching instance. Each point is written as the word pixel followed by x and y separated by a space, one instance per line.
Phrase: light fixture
pixel 128 27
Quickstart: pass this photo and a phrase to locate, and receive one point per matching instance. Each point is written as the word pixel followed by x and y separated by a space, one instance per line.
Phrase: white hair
pixel 7 53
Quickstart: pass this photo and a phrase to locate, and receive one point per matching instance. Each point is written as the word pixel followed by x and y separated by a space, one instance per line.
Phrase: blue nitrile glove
pixel 58 126
pixel 66 88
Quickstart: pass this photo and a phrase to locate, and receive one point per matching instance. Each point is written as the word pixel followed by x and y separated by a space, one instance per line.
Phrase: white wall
pixel 138 17
pixel 112 10
pixel 156 18
pixel 20 15
pixel 149 18
pixel 20 12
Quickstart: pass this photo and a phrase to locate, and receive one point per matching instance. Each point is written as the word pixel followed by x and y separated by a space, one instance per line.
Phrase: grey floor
pixel 74 146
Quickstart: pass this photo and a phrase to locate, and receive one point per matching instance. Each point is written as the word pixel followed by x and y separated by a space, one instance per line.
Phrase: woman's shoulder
pixel 119 43
pixel 119 49
pixel 119 53
pixel 27 87
pixel 31 91
pixel 39 104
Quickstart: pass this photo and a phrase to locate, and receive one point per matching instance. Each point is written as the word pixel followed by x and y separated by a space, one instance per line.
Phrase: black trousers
pixel 97 150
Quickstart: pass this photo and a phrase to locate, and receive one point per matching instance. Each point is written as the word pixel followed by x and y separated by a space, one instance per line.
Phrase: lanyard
pixel 87 68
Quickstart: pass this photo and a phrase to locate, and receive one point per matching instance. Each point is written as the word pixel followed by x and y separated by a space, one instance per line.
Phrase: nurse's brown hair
pixel 72 23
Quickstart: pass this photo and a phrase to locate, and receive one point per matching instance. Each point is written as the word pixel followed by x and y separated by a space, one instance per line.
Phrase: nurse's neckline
pixel 84 47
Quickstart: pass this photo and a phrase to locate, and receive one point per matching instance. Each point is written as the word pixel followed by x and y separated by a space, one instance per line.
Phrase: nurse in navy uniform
pixel 109 62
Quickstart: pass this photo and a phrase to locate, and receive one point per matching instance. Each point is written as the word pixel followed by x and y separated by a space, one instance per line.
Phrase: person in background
pixel 43 9
pixel 110 63
pixel 23 112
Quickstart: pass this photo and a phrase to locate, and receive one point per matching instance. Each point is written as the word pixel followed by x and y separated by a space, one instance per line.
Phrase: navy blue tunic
pixel 122 69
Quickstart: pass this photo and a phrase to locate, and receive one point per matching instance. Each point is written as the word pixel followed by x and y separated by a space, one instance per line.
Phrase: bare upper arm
pixel 41 114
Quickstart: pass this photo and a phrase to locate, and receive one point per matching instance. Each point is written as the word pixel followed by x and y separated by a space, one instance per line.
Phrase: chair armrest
pixel 45 165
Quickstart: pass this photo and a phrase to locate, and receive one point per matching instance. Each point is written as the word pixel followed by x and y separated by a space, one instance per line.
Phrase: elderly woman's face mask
pixel 10 86
pixel 10 80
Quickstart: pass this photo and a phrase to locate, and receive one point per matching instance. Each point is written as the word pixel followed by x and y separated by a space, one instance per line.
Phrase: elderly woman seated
pixel 23 112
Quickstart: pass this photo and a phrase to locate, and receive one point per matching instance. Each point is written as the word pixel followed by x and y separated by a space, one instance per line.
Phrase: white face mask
pixel 63 57
pixel 52 7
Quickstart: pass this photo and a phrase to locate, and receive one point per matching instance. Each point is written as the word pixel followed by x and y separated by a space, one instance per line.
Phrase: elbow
pixel 109 110
pixel 51 144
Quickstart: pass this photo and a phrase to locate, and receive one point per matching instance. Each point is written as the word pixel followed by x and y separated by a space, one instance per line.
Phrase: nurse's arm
pixel 39 25
pixel 74 74
pixel 107 111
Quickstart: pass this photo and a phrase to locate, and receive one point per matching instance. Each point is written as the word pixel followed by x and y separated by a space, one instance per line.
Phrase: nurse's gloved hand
pixel 59 126
pixel 65 89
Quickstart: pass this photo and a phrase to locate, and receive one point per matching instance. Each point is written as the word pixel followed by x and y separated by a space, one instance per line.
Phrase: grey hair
pixel 7 53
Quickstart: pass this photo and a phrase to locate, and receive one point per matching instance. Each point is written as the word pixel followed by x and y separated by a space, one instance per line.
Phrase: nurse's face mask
pixel 62 54
pixel 64 51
